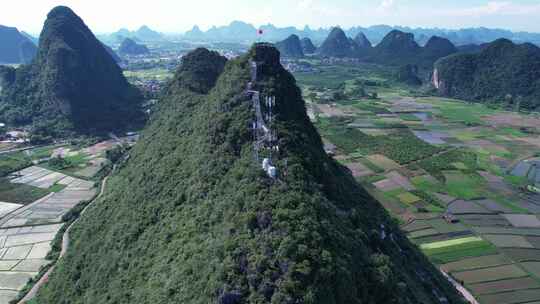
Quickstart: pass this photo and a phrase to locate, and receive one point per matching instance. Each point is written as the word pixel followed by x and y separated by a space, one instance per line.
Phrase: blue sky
pixel 181 15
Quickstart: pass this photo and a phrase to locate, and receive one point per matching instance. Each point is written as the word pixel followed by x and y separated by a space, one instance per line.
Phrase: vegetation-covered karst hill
pixel 73 85
pixel 307 46
pixel 290 47
pixel 337 44
pixel 501 72
pixel 364 45
pixel 192 218
pixel 130 47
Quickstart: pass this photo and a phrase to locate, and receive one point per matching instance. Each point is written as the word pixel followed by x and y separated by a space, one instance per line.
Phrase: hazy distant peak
pixel 362 40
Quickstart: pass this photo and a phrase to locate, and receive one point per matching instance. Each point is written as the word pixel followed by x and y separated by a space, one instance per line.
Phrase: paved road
pixel 65 244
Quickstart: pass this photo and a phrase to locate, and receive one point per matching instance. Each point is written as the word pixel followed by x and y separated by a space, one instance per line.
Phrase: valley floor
pixel 459 177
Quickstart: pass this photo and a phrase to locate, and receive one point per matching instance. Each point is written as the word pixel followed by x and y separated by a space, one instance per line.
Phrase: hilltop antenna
pixel 264 136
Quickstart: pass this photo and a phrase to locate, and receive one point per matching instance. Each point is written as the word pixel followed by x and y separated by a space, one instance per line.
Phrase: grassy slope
pixel 190 218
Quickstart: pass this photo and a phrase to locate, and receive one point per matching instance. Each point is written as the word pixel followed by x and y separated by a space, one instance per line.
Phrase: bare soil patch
pixel 513 119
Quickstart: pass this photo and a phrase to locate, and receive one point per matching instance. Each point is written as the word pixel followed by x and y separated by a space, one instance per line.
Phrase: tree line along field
pixel 442 168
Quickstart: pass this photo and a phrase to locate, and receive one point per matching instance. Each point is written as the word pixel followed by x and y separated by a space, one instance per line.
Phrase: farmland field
pixel 512 297
pixel 511 241
pixel 514 231
pixel 454 250
pixel 34 200
pixel 504 285
pixel 12 162
pixel 522 254
pixel 478 262
pixel 442 167
pixel 490 274
pixel 532 267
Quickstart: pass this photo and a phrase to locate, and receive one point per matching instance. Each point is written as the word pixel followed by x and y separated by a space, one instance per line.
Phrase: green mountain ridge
pixel 192 218
pixel 501 72
pixel 72 86
pixel 15 47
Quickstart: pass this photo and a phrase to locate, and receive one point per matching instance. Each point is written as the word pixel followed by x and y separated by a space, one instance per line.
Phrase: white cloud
pixel 386 5
pixel 496 8
pixel 305 4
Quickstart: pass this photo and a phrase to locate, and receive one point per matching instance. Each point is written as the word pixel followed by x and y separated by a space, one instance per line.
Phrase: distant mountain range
pixel 15 47
pixel 242 32
pixel 239 31
pixel 144 33
pixel 397 48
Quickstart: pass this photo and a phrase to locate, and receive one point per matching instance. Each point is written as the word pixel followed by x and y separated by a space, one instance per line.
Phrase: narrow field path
pixel 65 244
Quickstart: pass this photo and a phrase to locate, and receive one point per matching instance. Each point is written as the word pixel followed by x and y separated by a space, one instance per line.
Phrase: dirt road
pixel 464 292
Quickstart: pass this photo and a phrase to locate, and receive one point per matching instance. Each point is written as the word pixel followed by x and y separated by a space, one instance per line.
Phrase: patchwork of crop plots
pixel 529 296
pixel 504 285
pixel 490 274
pixel 443 168
pixel 26 231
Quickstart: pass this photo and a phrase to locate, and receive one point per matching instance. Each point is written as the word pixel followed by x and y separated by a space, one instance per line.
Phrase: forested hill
pixel 501 72
pixel 337 44
pixel 192 218
pixel 290 47
pixel 73 84
pixel 130 47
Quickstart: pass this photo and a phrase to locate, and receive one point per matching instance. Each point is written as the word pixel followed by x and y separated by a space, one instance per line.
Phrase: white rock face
pixel 436 79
